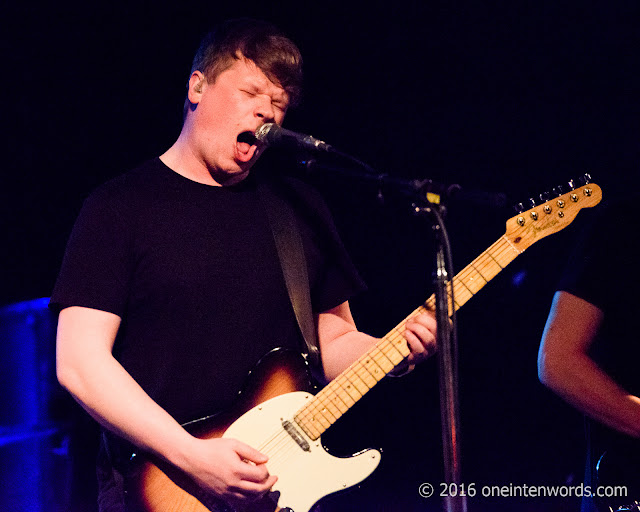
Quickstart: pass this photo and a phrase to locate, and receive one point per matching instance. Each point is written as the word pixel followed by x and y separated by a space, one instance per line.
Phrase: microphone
pixel 271 133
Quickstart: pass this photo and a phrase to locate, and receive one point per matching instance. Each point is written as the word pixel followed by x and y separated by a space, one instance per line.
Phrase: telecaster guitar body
pixel 306 471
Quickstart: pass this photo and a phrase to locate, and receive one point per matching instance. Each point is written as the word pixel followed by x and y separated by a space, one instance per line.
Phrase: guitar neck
pixel 352 384
pixel 522 231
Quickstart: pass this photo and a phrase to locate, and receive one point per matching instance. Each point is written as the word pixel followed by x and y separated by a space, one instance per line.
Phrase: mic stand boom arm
pixel 415 190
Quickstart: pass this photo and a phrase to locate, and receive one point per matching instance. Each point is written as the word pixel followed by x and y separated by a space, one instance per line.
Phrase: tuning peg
pixel 532 202
pixel 558 191
pixel 584 180
pixel 519 208
pixel 545 196
pixel 572 185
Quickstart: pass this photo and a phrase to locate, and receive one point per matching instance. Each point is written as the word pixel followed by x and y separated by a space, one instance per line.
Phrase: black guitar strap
pixel 286 234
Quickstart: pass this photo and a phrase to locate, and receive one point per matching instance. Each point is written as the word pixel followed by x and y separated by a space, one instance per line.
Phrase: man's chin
pixel 233 174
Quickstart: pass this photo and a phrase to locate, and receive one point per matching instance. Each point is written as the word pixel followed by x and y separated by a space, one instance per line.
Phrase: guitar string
pixel 322 403
pixel 280 452
pixel 317 407
pixel 275 449
pixel 498 255
pixel 284 456
pixel 308 413
pixel 280 444
pixel 486 266
pixel 277 437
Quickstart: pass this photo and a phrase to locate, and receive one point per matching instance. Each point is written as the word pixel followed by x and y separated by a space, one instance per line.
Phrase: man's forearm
pixel 87 369
pixel 578 380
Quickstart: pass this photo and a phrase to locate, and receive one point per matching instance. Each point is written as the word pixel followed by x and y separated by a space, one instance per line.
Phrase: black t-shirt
pixel 194 274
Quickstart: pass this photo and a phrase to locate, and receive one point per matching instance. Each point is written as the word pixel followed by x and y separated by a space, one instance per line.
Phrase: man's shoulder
pixel 132 186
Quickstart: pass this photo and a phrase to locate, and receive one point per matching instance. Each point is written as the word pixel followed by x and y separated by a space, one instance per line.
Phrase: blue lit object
pixel 34 466
pixel 518 278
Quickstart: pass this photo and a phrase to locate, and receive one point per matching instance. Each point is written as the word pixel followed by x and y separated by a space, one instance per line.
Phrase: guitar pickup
pixel 296 436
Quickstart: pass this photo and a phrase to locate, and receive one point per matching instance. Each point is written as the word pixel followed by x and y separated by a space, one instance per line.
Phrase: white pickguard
pixel 303 476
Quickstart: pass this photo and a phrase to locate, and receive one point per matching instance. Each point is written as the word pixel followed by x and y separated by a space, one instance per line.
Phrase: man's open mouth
pixel 246 140
pixel 246 146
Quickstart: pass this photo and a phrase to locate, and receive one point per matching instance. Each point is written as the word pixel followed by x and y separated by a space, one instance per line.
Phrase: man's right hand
pixel 229 468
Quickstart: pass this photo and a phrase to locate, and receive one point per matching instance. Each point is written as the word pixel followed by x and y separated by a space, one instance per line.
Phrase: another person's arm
pixel 565 367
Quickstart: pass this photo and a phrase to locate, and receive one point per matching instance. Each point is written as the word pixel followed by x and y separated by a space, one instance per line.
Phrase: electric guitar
pixel 277 416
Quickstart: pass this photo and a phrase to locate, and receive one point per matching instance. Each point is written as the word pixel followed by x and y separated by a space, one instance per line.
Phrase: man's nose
pixel 265 111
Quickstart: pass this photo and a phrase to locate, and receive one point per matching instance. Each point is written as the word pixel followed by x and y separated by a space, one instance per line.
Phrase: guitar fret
pixel 474 276
pixel 318 419
pixel 350 388
pixel 373 370
pixel 496 262
pixel 461 292
pixel 382 360
pixel 304 419
pixel 470 280
pixel 331 409
pixel 392 353
pixel 396 342
pixel 315 417
pixel 339 403
pixel 488 265
pixel 510 244
pixel 309 428
pixel 364 380
pixel 337 396
pixel 510 252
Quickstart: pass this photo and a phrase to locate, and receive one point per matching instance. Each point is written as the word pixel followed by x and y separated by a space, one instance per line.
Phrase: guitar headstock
pixel 551 216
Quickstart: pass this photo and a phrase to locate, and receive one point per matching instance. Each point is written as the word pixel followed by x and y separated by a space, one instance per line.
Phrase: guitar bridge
pixel 295 435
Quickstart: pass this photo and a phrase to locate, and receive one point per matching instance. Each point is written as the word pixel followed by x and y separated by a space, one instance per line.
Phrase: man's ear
pixel 197 81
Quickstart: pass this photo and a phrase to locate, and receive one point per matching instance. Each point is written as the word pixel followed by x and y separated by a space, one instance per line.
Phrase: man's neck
pixel 182 159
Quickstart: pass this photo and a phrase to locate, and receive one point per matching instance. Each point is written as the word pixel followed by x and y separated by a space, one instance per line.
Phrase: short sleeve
pixel 593 271
pixel 96 268
pixel 339 280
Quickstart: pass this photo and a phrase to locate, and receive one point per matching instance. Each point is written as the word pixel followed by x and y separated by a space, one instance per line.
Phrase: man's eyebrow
pixel 251 82
pixel 280 97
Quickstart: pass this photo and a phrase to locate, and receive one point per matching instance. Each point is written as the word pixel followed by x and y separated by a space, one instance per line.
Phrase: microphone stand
pixel 455 495
pixel 427 197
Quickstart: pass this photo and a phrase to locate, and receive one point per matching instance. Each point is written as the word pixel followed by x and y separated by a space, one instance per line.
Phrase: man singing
pixel 172 289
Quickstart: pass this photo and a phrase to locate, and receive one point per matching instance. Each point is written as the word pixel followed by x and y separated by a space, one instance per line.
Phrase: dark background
pixel 510 97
